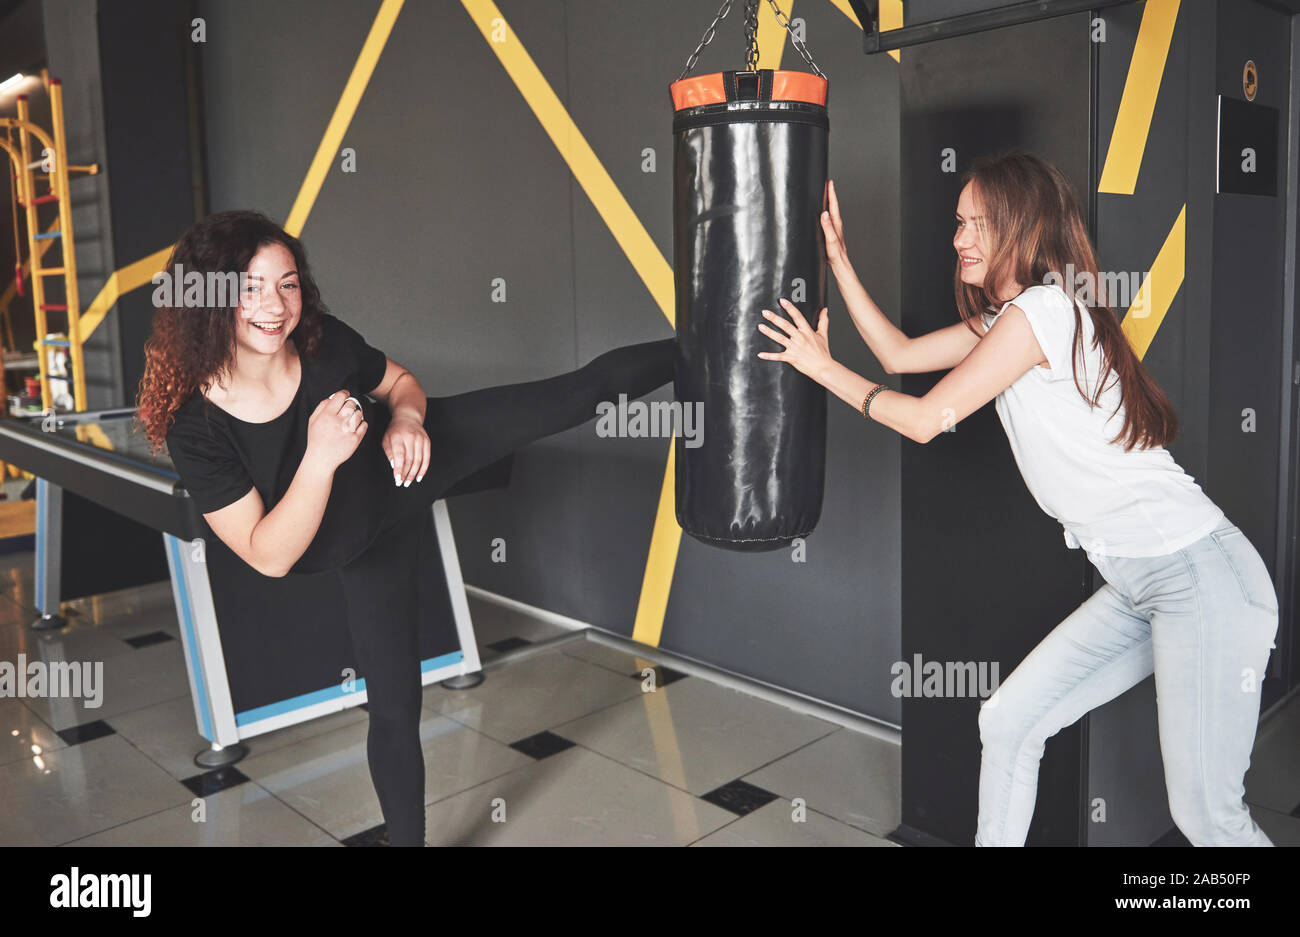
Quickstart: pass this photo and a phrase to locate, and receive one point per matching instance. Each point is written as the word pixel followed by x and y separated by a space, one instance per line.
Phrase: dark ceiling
pixel 22 37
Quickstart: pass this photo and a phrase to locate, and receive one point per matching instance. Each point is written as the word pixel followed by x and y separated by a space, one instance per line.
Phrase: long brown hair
pixel 190 347
pixel 1033 228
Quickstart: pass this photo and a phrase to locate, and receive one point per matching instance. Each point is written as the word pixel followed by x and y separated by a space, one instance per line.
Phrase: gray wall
pixel 458 184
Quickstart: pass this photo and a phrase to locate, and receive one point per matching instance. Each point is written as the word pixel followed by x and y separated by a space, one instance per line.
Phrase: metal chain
pixel 708 37
pixel 795 40
pixel 751 37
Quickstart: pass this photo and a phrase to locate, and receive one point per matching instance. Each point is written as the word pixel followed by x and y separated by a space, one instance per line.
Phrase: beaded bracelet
pixel 866 404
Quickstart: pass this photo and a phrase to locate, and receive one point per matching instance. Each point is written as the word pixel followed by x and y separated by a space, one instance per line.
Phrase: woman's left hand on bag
pixel 407 446
pixel 807 349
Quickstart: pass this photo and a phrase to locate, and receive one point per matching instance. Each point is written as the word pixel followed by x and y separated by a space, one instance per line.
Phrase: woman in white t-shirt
pixel 1186 594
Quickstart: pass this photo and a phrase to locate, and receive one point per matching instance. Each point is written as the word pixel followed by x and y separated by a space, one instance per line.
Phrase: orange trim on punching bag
pixel 786 86
pixel 798 86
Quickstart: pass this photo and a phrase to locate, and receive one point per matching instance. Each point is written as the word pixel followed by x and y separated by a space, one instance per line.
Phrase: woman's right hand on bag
pixel 833 226
pixel 335 430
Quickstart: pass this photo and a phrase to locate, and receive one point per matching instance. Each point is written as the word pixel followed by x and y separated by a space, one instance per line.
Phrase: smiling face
pixel 969 240
pixel 270 303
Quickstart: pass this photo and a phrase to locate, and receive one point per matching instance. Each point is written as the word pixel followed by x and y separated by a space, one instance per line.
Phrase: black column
pixel 143 49
pixel 986 574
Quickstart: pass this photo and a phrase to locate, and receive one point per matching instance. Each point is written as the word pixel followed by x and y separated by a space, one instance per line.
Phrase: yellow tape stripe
pixel 843 7
pixel 1128 140
pixel 343 113
pixel 890 15
pixel 636 244
pixel 123 281
pixel 657 581
pixel 587 169
pixel 134 276
pixel 137 274
pixel 1157 293
pixel 772 36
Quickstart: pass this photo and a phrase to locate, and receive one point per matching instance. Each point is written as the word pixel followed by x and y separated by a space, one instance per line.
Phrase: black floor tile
pixel 375 836
pixel 1173 838
pixel 23 543
pixel 663 675
pixel 906 835
pixel 509 644
pixel 740 797
pixel 144 640
pixel 218 779
pixel 541 745
pixel 75 735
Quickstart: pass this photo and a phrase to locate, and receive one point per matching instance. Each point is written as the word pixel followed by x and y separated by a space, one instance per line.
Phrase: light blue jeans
pixel 1203 619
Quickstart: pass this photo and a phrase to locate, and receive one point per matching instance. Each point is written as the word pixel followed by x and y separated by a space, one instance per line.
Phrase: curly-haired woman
pixel 262 405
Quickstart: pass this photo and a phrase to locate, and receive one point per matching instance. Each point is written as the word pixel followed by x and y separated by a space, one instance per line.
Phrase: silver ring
pixel 360 409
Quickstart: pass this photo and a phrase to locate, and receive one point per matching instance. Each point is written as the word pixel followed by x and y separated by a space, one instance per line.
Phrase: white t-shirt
pixel 1110 502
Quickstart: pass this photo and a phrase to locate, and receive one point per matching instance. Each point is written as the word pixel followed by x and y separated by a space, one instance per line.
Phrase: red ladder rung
pixel 51 307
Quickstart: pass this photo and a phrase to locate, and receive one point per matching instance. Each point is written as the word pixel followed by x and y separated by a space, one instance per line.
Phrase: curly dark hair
pixel 190 347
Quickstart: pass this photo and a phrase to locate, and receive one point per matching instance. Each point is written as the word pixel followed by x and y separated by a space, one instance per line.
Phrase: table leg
pixel 49 556
pixel 472 670
pixel 205 664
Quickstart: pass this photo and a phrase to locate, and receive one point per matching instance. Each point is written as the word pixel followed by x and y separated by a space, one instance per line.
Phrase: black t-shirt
pixel 220 457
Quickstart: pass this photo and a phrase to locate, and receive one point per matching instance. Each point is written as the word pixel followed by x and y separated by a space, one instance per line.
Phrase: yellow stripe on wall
pixel 128 278
pixel 137 274
pixel 636 244
pixel 1128 139
pixel 890 14
pixel 891 17
pixel 587 169
pixel 843 7
pixel 1158 290
pixel 657 581
pixel 380 30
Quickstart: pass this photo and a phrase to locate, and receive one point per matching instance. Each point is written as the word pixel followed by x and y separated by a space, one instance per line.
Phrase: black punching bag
pixel 749 184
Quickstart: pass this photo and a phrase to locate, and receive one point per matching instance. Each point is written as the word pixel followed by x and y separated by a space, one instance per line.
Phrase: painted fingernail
pixel 420 479
pixel 406 484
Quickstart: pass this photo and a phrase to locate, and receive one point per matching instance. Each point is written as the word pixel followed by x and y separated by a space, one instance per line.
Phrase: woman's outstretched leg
pixel 472 430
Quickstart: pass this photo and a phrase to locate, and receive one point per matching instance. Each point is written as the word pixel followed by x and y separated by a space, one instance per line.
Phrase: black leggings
pixel 467 432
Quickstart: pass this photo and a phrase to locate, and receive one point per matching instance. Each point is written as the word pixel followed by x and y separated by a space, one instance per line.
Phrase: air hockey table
pixel 261 653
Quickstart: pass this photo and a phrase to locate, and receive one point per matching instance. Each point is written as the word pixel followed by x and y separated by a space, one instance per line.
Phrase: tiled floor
pixel 559 745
